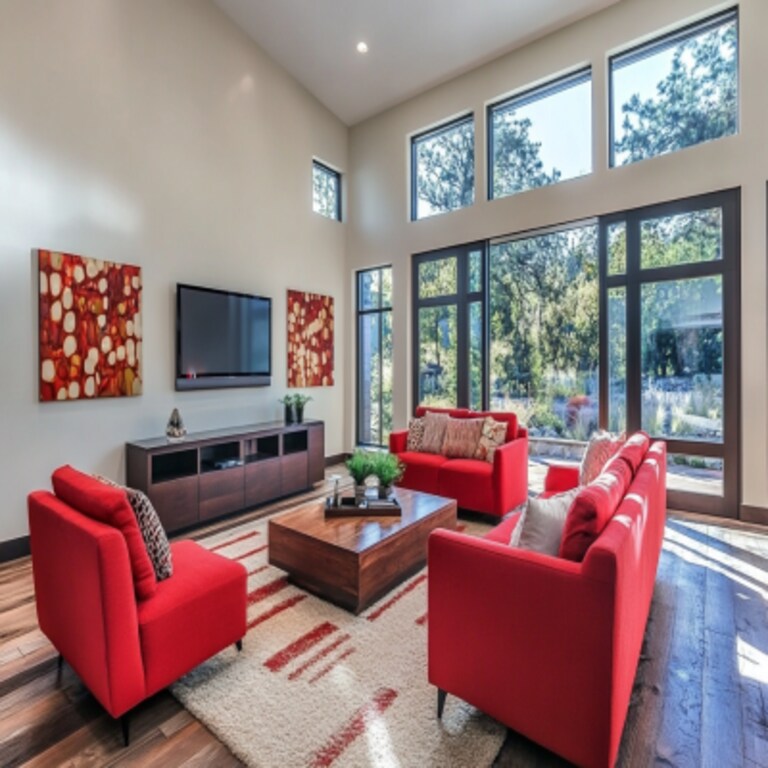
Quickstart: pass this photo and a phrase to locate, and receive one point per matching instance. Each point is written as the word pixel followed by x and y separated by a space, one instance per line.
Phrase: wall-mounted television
pixel 223 339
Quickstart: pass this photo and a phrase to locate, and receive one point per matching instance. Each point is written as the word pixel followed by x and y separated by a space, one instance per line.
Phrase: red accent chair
pixel 476 484
pixel 122 647
pixel 546 645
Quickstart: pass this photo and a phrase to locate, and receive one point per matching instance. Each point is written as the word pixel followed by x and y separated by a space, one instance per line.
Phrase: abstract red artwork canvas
pixel 310 339
pixel 89 327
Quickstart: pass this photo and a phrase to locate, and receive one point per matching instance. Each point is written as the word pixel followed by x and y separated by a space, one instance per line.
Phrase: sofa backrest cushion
pixel 634 450
pixel 462 437
pixel 435 425
pixel 96 500
pixel 456 413
pixel 508 417
pixel 594 505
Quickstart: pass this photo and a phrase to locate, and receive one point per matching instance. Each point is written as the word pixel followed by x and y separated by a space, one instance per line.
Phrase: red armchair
pixel 545 645
pixel 124 648
pixel 476 484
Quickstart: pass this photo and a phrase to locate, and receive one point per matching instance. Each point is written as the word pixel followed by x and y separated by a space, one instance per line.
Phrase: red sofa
pixel 476 484
pixel 546 645
pixel 86 576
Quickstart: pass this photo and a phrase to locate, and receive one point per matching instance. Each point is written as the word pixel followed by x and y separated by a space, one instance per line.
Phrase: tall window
pixel 326 191
pixel 449 300
pixel 675 92
pixel 443 169
pixel 374 356
pixel 541 136
pixel 544 329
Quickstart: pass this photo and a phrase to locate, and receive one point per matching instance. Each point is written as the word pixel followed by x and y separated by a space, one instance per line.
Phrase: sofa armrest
pixel 561 477
pixel 510 475
pixel 398 441
pixel 527 639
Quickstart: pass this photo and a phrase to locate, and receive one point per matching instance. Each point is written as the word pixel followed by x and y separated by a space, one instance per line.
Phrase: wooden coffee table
pixel 353 561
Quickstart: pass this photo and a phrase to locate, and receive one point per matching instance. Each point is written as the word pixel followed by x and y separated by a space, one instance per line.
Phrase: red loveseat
pixel 87 574
pixel 546 645
pixel 476 484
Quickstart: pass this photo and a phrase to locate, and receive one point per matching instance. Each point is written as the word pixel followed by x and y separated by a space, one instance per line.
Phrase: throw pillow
pixel 415 435
pixel 110 506
pixel 600 448
pixel 152 531
pixel 435 425
pixel 461 438
pixel 541 529
pixel 493 435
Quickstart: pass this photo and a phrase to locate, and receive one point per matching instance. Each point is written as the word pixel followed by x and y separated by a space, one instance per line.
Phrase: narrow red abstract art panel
pixel 90 327
pixel 310 340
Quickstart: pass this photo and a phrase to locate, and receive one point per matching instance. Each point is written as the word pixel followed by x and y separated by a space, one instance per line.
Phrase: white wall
pixel 380 232
pixel 151 133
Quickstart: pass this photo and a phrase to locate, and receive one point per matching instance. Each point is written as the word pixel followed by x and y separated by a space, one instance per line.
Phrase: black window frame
pixel 521 99
pixel 469 118
pixel 642 51
pixel 336 176
pixel 361 313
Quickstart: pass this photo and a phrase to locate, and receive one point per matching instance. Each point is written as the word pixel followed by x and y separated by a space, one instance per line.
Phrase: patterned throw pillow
pixel 152 531
pixel 461 438
pixel 434 431
pixel 493 435
pixel 415 435
pixel 543 522
pixel 601 447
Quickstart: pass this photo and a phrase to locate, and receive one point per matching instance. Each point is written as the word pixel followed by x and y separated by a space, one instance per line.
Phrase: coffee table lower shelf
pixel 354 561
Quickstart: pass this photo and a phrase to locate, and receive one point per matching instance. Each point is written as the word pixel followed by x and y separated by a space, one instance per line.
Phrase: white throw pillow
pixel 541 527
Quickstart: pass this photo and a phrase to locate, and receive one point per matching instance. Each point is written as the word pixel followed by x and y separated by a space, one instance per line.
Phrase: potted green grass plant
pixel 360 466
pixel 388 469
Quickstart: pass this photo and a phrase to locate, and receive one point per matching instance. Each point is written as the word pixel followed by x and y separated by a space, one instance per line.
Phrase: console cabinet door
pixel 263 481
pixel 294 472
pixel 316 450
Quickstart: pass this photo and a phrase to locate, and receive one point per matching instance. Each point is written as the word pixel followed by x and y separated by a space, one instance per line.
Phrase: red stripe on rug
pixel 422 620
pixel 234 541
pixel 260 569
pixel 320 655
pixel 402 593
pixel 252 552
pixel 302 645
pixel 262 593
pixel 275 610
pixel 356 726
pixel 328 667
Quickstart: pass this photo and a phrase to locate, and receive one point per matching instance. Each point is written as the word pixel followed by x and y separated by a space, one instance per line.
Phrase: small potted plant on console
pixel 299 401
pixel 288 402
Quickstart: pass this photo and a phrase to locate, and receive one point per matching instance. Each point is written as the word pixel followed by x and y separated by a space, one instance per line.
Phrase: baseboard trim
pixel 337 458
pixel 754 514
pixel 13 549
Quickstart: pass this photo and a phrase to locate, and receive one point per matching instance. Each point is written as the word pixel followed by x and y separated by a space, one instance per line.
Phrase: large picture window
pixel 541 136
pixel 675 92
pixel 443 169
pixel 374 356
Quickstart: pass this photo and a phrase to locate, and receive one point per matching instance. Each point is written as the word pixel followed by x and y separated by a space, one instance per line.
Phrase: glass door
pixel 671 339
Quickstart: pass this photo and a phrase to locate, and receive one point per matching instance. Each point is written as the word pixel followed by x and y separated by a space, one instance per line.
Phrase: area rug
pixel 317 686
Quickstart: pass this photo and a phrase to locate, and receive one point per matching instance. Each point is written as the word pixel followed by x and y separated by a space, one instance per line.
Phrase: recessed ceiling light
pixel 362 47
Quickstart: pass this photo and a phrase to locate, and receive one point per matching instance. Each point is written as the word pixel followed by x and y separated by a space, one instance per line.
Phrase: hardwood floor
pixel 700 695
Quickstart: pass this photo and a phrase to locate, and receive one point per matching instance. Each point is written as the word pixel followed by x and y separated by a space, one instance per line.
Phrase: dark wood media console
pixel 215 473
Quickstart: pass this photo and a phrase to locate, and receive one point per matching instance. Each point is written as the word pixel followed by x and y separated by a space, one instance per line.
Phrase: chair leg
pixel 125 724
pixel 441 696
pixel 239 644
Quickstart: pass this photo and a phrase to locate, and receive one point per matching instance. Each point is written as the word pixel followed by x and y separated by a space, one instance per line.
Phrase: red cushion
pixel 634 450
pixel 592 508
pixel 421 470
pixel 194 614
pixel 109 505
pixel 456 413
pixel 503 531
pixel 470 482
pixel 507 416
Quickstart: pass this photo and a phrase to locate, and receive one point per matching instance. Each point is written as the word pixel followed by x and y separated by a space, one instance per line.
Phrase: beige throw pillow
pixel 493 435
pixel 541 528
pixel 601 447
pixel 434 431
pixel 461 438
pixel 415 435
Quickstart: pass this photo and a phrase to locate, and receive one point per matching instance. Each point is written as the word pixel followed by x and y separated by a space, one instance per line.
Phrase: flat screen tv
pixel 223 339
